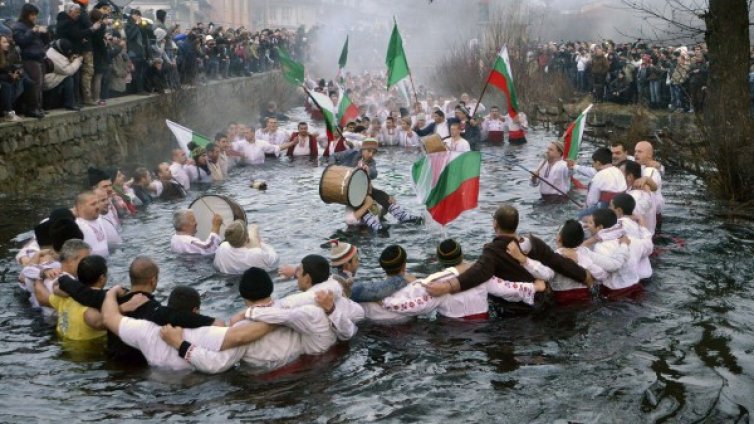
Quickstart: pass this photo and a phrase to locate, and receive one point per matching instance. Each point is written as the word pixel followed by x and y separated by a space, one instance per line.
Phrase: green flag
pixel 343 55
pixel 293 71
pixel 397 66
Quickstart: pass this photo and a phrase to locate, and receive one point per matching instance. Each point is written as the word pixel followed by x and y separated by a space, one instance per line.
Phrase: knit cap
pixel 449 252
pixel 255 284
pixel 392 259
pixel 341 252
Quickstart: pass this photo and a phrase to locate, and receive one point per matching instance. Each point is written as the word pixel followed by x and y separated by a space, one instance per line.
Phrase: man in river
pixel 554 170
pixel 185 240
pixel 650 169
pixel 89 220
pixel 364 159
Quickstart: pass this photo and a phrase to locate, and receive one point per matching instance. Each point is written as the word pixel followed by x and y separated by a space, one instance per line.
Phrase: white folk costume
pixel 198 174
pixel 236 260
pixel 275 138
pixel 184 243
pixel 641 246
pixel 606 184
pixel 145 336
pixel 388 136
pixel 645 208
pixel 254 153
pixel 406 140
pixel 516 128
pixel 111 224
pixel 459 145
pixel 493 130
pixel 656 176
pixel 94 235
pixel 557 174
pixel 616 259
pixel 566 290
pixel 30 274
pixel 28 251
pixel 178 172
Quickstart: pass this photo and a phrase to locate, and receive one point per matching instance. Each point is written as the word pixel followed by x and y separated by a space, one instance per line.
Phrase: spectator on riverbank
pixel 58 84
pixel 12 79
pixel 32 39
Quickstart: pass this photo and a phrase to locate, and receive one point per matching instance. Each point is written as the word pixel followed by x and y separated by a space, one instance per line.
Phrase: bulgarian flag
pixel 347 111
pixel 573 135
pixel 447 183
pixel 501 77
pixel 328 111
pixel 185 136
pixel 342 61
pixel 397 65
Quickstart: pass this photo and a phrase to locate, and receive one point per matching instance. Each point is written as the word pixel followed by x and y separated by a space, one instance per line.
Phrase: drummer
pixel 185 241
pixel 364 159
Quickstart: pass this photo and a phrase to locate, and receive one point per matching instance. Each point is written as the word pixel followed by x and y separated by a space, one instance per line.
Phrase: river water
pixel 682 354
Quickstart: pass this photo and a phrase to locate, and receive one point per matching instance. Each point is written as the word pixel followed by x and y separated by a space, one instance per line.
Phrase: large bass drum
pixel 205 207
pixel 433 144
pixel 344 185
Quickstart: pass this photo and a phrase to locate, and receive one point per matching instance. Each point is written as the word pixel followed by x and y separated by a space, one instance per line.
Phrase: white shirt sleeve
pixel 610 261
pixel 206 247
pixel 211 362
pixel 306 319
pixel 510 291
pixel 344 318
pixel 538 270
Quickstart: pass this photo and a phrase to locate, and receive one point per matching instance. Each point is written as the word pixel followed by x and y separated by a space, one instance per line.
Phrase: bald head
pixel 644 152
pixel 84 197
pixel 143 272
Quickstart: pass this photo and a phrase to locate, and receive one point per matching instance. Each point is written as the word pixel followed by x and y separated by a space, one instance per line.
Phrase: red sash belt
pixel 569 297
pixel 495 136
pixel 515 135
pixel 630 291
pixel 607 196
pixel 484 316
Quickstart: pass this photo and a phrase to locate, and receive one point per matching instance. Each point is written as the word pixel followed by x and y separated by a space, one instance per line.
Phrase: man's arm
pixel 81 293
pixel 111 315
pixel 41 293
pixel 203 359
pixel 377 290
pixel 560 264
pixel 164 315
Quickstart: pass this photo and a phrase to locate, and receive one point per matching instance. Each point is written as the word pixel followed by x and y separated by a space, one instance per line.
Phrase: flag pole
pixel 479 100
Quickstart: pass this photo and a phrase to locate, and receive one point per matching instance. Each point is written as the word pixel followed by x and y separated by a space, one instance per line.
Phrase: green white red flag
pixel 448 183
pixel 573 135
pixel 186 135
pixel 501 77
pixel 293 71
pixel 328 111
pixel 347 111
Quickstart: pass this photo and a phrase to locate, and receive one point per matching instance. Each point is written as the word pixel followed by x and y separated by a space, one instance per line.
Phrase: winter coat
pixel 600 65
pixel 64 68
pixel 33 45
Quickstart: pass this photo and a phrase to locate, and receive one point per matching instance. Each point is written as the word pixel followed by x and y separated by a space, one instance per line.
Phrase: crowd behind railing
pixel 658 76
pixel 89 55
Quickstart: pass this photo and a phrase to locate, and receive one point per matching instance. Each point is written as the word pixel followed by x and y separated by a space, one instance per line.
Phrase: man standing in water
pixel 185 241
pixel 554 170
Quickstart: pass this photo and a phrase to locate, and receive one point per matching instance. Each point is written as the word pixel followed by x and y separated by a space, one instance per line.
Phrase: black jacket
pixel 79 32
pixel 33 45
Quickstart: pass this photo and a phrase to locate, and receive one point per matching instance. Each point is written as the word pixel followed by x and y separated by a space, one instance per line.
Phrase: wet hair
pixel 141 270
pixel 571 234
pixel 603 155
pixel 621 144
pixel 439 113
pixel 192 145
pixel 494 107
pixel 184 299
pixel 604 217
pixel 455 124
pixel 71 249
pixel 220 136
pixel 302 123
pixel 317 267
pixel 91 268
pixel 506 217
pixel 625 202
pixel 211 146
pixel 141 173
pixel 632 168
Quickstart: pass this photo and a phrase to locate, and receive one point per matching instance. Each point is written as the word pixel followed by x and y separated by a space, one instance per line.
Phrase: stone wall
pixel 128 132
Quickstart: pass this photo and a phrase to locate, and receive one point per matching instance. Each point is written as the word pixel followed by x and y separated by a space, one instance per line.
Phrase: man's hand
pixel 540 285
pixel 287 271
pixel 440 288
pixel 589 280
pixel 217 222
pixel 133 304
pixel 515 251
pixel 172 335
pixel 325 300
pixel 50 274
pixel 571 163
pixel 625 240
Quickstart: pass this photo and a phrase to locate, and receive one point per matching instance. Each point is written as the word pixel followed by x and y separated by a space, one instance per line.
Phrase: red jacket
pixel 313 147
pixel 340 145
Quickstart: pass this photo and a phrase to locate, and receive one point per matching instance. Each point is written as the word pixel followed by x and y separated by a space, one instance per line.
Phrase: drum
pixel 344 185
pixel 433 144
pixel 206 206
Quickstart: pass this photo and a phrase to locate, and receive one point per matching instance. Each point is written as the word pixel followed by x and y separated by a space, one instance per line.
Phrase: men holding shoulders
pixel 185 241
pixel 178 168
pixel 87 210
pixel 242 249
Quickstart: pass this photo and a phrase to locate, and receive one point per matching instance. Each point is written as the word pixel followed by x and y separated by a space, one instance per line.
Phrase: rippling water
pixel 682 354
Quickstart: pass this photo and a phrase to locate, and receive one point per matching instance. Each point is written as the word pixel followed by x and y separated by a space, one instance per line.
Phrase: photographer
pixel 58 84
pixel 32 39
pixel 12 81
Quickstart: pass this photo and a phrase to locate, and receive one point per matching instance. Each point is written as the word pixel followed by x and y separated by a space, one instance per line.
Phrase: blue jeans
pixel 677 96
pixel 11 91
pixel 655 91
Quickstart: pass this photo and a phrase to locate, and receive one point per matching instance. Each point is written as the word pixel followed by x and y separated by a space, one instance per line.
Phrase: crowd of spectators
pixel 672 77
pixel 87 56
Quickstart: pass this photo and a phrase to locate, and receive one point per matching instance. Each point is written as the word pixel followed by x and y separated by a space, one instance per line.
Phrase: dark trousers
pixel 62 95
pixel 33 97
pixel 137 81
pixel 10 91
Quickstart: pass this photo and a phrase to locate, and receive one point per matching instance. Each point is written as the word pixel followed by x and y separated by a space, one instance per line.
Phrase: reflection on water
pixel 683 354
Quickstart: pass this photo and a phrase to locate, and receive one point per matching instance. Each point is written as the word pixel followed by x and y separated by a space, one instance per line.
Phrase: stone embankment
pixel 130 131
